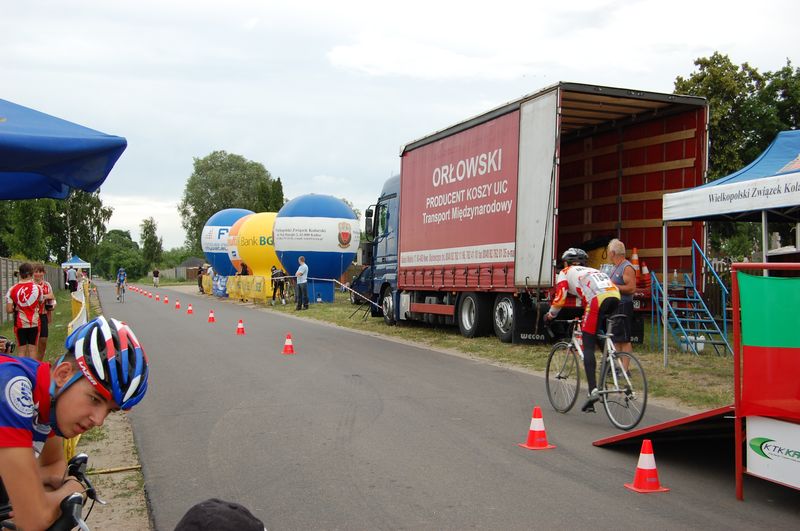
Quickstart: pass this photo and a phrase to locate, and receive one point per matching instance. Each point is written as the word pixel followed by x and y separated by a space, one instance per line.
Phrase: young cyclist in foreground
pixel 103 370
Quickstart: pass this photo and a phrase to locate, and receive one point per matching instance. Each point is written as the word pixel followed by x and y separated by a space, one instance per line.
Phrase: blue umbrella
pixel 45 156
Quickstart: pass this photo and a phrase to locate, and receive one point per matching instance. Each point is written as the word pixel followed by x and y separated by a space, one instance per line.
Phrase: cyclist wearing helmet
pixel 103 370
pixel 122 278
pixel 599 296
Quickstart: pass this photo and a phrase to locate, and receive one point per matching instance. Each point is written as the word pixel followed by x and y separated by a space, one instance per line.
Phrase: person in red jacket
pixel 24 300
pixel 46 309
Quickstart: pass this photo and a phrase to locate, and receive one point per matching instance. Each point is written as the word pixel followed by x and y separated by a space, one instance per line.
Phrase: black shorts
pixel 43 328
pixel 27 336
pixel 622 327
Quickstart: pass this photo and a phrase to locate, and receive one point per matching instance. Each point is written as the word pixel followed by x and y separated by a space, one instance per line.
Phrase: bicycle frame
pixel 609 354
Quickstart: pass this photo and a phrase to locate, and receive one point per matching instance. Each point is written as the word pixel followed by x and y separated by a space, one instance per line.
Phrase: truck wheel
pixel 474 315
pixel 504 317
pixel 387 305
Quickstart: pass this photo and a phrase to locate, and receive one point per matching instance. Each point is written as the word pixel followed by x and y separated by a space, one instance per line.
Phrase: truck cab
pixel 381 248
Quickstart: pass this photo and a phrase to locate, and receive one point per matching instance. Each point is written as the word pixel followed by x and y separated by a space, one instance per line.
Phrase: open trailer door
pixel 536 191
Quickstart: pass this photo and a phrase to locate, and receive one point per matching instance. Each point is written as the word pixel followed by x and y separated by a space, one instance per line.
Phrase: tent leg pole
pixel 764 240
pixel 665 295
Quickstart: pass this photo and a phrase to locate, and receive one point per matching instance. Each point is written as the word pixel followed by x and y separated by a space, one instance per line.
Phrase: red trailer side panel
pixel 458 209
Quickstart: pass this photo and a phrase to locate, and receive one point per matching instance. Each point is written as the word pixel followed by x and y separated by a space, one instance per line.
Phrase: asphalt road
pixel 360 432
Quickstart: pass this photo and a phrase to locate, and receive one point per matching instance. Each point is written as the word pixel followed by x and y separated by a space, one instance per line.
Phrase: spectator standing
pixel 200 271
pixel 243 272
pixel 156 274
pixel 72 279
pixel 624 276
pixel 46 310
pixel 278 284
pixel 301 291
pixel 24 301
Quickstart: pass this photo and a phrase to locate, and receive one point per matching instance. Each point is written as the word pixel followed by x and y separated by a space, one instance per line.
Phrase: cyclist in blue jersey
pixel 103 370
pixel 122 279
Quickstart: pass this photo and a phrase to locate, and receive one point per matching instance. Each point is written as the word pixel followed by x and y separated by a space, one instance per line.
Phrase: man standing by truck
pixel 624 276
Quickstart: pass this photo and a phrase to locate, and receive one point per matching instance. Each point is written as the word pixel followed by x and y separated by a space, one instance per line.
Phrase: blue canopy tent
pixel 45 156
pixel 767 189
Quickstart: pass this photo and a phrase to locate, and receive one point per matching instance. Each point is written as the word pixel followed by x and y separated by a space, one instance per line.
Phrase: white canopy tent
pixel 768 189
pixel 77 263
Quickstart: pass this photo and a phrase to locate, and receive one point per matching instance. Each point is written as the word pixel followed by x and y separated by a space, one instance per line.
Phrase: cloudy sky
pixel 325 93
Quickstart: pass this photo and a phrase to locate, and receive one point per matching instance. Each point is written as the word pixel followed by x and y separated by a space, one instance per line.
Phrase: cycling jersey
pixel 121 277
pixel 47 289
pixel 584 282
pixel 26 297
pixel 24 403
pixel 591 285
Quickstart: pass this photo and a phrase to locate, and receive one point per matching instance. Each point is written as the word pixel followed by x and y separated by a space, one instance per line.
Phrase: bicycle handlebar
pixel 71 506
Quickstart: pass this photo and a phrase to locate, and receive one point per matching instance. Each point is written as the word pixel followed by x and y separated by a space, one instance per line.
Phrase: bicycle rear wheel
pixel 625 401
pixel 562 377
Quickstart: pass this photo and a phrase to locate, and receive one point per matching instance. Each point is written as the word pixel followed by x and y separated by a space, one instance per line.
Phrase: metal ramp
pixel 690 322
pixel 713 424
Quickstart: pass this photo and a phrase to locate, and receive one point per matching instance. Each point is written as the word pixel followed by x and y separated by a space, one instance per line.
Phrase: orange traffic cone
pixel 288 346
pixel 646 478
pixel 645 269
pixel 189 311
pixel 178 304
pixel 537 436
pixel 211 318
pixel 158 298
pixel 240 328
pixel 166 299
pixel 635 261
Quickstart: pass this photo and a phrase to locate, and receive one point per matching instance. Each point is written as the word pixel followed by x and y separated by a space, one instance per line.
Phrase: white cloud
pixel 129 211
pixel 324 93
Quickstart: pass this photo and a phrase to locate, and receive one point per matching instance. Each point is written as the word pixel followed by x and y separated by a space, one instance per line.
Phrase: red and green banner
pixel 770 313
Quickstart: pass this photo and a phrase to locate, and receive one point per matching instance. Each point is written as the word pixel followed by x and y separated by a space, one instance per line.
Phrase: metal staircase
pixel 690 322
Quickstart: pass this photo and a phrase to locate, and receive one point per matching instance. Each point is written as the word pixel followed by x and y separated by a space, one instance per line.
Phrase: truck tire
pixel 387 306
pixel 474 315
pixel 503 317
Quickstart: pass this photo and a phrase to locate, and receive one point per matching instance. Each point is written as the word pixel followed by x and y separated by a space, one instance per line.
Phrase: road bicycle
pixel 121 296
pixel 71 506
pixel 622 385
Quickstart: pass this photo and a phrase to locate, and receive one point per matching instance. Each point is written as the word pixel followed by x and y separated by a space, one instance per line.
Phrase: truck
pixel 471 230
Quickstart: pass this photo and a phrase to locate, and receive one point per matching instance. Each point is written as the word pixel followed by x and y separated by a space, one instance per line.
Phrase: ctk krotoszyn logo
pixel 345 234
pixel 766 447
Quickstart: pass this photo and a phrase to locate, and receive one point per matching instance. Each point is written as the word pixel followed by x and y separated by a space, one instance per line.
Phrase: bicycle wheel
pixel 563 377
pixel 625 401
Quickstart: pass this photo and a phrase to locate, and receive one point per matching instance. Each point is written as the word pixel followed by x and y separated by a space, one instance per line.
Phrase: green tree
pixel 223 180
pixel 277 200
pixel 24 233
pixel 152 245
pixel 747 110
pixel 78 225
pixel 117 249
pixel 50 229
pixel 175 256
